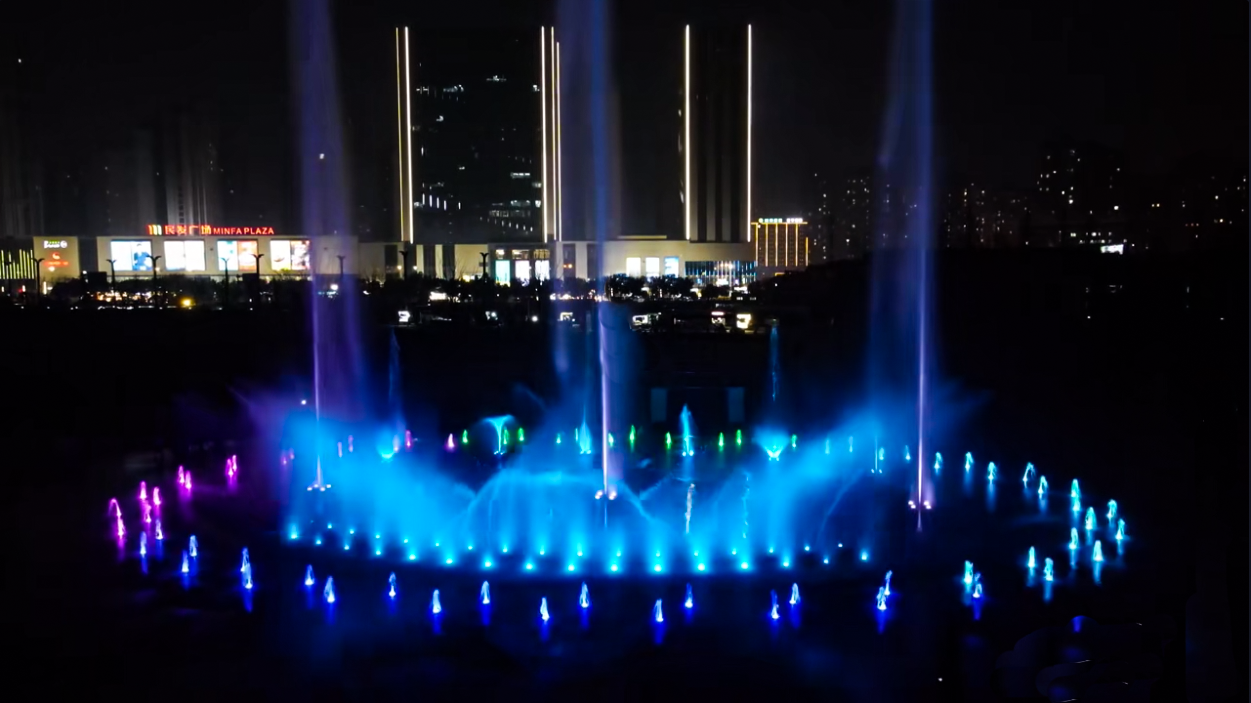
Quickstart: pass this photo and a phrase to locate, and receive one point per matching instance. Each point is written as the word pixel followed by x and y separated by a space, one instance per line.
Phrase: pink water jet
pixel 182 479
pixel 156 496
pixel 143 490
pixel 408 439
pixel 121 528
pixel 115 508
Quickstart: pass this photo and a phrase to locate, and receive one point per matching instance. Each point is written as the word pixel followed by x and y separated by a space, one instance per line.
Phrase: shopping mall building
pixel 217 251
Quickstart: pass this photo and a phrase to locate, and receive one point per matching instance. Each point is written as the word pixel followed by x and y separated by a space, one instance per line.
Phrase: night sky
pixel 1160 80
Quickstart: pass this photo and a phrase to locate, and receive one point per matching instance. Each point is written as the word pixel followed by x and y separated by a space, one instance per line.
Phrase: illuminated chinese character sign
pixel 208 231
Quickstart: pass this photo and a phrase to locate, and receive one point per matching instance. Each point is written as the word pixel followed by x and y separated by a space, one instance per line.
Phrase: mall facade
pixel 217 252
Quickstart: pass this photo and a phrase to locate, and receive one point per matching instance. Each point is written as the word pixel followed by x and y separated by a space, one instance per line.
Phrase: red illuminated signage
pixel 208 231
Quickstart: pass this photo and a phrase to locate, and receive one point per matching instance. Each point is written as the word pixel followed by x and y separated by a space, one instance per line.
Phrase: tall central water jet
pixel 338 371
pixel 902 257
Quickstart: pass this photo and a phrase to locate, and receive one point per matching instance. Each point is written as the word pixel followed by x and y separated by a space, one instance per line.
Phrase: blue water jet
pixel 328 591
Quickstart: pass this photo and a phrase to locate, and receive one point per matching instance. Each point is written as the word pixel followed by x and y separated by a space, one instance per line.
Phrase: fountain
pixel 1077 506
pixel 1075 492
pixel 247 577
pixel 794 594
pixel 688 431
pixel 1073 543
pixel 1049 569
pixel 115 508
pixel 543 610
pixel 391 585
pixel 907 453
pixel 156 496
pixel 187 482
pixel 1090 519
pixel 193 547
pixel 186 565
pixel 143 490
pixel 484 594
pixel 968 462
pixel 1030 563
pixel 244 565
pixel 690 496
pixel 1097 555
pixel 773 607
pixel 308 576
pixel 1042 486
pixel 881 598
pixel 182 480
pixel 1111 511
pixel 584 598
pixel 886 587
pixel 436 607
pixel 328 591
pixel 143 544
pixel 658 612
pixel 689 601
pixel 938 463
pixel 968 573
pixel 121 528
pixel 158 534
pixel 992 472
pixel 977 588
pixel 1029 473
pixel 1120 530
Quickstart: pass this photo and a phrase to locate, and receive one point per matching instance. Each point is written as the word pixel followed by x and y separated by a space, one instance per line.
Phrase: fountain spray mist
pixel 901 277
pixel 338 372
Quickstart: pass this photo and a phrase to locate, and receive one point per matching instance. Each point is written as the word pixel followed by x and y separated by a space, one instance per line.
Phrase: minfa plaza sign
pixel 208 231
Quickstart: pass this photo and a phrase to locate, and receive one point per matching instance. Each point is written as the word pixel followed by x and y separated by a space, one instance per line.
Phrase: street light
pixel 155 269
pixel 341 257
pixel 225 283
pixel 112 275
pixel 257 258
pixel 38 286
pixel 404 271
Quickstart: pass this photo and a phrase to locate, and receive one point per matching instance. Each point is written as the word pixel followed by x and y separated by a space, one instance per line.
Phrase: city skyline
pixel 783 128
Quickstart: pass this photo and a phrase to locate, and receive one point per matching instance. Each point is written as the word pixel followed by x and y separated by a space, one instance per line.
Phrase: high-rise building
pixel 121 195
pixel 852 219
pixel 716 133
pixel 21 202
pixel 819 214
pixel 1080 198
pixel 190 171
pixel 470 151
pixel 781 244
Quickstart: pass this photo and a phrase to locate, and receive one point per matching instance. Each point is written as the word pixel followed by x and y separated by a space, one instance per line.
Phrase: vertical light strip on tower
pixel 749 132
pixel 560 200
pixel 543 111
pixel 399 126
pixel 408 117
pixel 555 163
pixel 686 116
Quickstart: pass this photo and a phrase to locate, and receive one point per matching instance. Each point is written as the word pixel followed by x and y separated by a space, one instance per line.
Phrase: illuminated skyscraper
pixel 716 138
pixel 474 135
